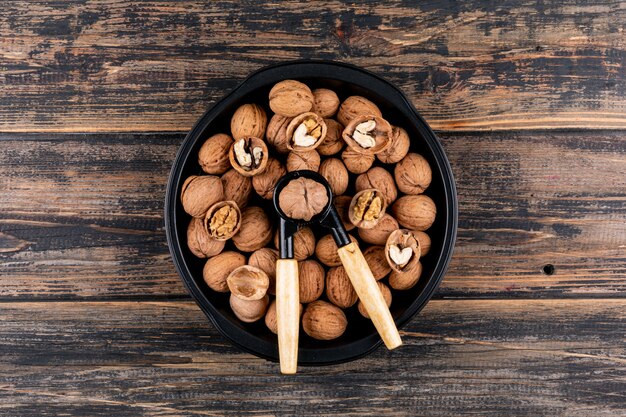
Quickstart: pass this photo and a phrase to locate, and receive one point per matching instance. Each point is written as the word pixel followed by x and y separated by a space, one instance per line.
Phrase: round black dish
pixel 360 338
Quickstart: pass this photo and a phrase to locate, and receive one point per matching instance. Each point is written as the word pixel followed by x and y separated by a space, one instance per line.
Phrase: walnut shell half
pixel 223 220
pixel 249 311
pixel 368 134
pixel 248 283
pixel 249 156
pixel 305 132
pixel 402 250
pixel 367 208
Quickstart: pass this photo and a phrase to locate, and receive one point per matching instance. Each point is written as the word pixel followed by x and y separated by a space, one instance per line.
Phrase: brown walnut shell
pixel 324 321
pixel 199 241
pixel 415 212
pixel 199 193
pixel 265 259
pixel 302 198
pixel 413 174
pixel 333 142
pixel 248 283
pixel 399 147
pixel 355 106
pixel 248 120
pixel 237 188
pixel 249 311
pixel 378 234
pixel 367 208
pixel 355 162
pixel 406 253
pixel 325 102
pixel 424 241
pixel 306 160
pixel 217 269
pixel 380 135
pixel 342 205
pixel 265 182
pixel 255 231
pixel 386 295
pixel 376 260
pixel 303 243
pixel 406 279
pixel 277 132
pixel 336 174
pixel 318 130
pixel 254 168
pixel 380 179
pixel 290 98
pixel 223 220
pixel 326 250
pixel 339 289
pixel 270 317
pixel 213 154
pixel 311 276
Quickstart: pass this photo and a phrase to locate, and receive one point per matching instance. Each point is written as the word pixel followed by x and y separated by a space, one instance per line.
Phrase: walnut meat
pixel 217 269
pixel 223 220
pixel 303 198
pixel 249 311
pixel 326 250
pixel 325 102
pixel 213 154
pixel 199 193
pixel 376 260
pixel 237 188
pixel 355 106
pixel 323 321
pixel 311 277
pixel 303 243
pixel 378 234
pixel 355 162
pixel 367 208
pixel 306 132
pixel 248 283
pixel 339 289
pixel 368 134
pixel 402 250
pixel 380 179
pixel 386 295
pixel 248 156
pixel 265 259
pixel 277 132
pixel 199 241
pixel 265 182
pixel 400 144
pixel 333 142
pixel 415 212
pixel 255 231
pixel 336 174
pixel 248 120
pixel 309 160
pixel 290 98
pixel 406 279
pixel 413 174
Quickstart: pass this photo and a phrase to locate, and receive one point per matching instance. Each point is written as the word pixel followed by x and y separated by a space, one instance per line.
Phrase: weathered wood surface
pixel 156 66
pixel 81 215
pixel 483 357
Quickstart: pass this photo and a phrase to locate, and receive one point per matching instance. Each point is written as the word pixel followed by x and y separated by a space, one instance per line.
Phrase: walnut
pixel 355 106
pixel 248 120
pixel 424 241
pixel 406 279
pixel 277 132
pixel 323 321
pixel 342 205
pixel 333 142
pixel 303 198
pixel 380 179
pixel 367 208
pixel 303 243
pixel 270 317
pixel 249 311
pixel 415 212
pixel 265 259
pixel 311 278
pixel 336 174
pixel 306 132
pixel 255 231
pixel 368 134
pixel 325 102
pixel 237 188
pixel 248 283
pixel 199 193
pixel 376 260
pixel 248 156
pixel 355 162
pixel 199 241
pixel 386 295
pixel 378 234
pixel 213 154
pixel 326 250
pixel 402 250
pixel 413 174
pixel 223 220
pixel 400 144
pixel 265 182
pixel 217 269
pixel 290 98
pixel 339 289
pixel 297 161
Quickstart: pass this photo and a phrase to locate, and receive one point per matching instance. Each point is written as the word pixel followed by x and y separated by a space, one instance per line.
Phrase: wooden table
pixel 529 99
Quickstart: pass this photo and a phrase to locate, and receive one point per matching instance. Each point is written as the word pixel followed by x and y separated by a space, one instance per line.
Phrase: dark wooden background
pixel 528 97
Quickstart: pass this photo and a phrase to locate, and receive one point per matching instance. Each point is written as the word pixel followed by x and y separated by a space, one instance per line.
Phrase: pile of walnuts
pixel 378 187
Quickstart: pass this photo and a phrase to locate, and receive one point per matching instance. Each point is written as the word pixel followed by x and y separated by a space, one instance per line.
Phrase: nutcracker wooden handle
pixel 287 314
pixel 367 289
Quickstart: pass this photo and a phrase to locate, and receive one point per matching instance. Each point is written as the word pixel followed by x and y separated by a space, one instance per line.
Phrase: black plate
pixel 360 338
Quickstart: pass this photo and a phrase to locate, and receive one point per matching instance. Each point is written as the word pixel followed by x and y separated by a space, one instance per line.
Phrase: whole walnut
pixel 249 311
pixel 339 289
pixel 297 161
pixel 290 98
pixel 326 250
pixel 265 259
pixel 398 149
pixel 415 212
pixel 248 120
pixel 213 154
pixel 277 133
pixel 302 198
pixel 336 174
pixel 386 295
pixel 270 317
pixel 424 241
pixel 355 162
pixel 355 106
pixel 406 279
pixel 311 279
pixel 255 231
pixel 378 234
pixel 303 243
pixel 323 321
pixel 199 242
pixel 380 179
pixel 237 187
pixel 325 102
pixel 413 174
pixel 377 261
pixel 199 193
pixel 265 182
pixel 217 269
pixel 333 142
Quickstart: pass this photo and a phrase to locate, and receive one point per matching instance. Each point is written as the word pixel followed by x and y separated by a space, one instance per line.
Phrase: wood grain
pixel 485 357
pixel 91 66
pixel 81 215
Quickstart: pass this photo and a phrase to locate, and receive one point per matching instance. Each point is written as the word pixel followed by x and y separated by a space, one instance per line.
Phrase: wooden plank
pixel 156 66
pixel 81 215
pixel 484 357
